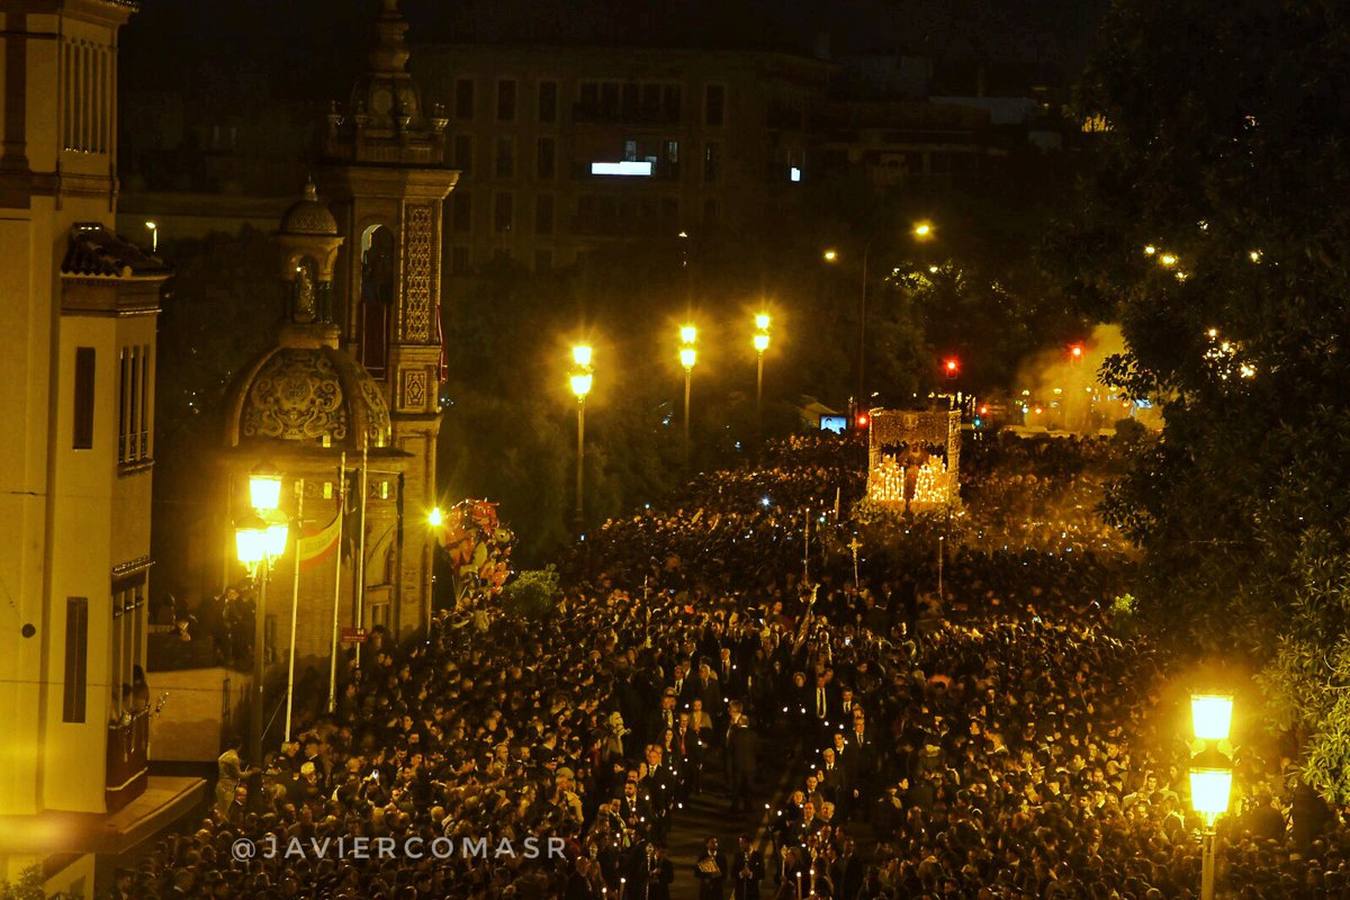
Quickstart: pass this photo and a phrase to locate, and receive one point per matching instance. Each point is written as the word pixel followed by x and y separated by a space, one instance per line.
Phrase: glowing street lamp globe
pixel 581 384
pixel 923 230
pixel 581 355
pixel 250 543
pixel 1211 716
pixel 274 538
pixel 830 255
pixel 1210 789
pixel 762 321
pixel 264 488
pixel 435 518
pixel 688 334
pixel 761 342
pixel 688 355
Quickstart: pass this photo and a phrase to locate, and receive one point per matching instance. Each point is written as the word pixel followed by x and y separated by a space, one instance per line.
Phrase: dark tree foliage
pixel 220 311
pixel 1227 151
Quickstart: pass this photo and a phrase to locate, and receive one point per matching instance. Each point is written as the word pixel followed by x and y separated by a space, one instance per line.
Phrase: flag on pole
pixel 314 548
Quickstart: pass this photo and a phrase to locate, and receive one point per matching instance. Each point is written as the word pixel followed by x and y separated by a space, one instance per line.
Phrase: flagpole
pixel 337 582
pixel 295 600
pixel 361 561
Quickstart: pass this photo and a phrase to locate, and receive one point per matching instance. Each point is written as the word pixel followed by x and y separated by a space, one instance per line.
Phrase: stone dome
pixel 306 391
pixel 309 215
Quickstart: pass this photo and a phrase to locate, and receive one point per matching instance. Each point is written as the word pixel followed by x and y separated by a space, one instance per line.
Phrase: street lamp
pixel 760 343
pixel 1211 775
pixel 1211 716
pixel 581 381
pixel 830 255
pixel 923 230
pixel 257 542
pixel 264 487
pixel 435 518
pixel 688 356
pixel 154 236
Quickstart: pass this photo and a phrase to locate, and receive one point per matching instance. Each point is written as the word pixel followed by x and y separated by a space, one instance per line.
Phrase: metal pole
pixel 759 394
pixel 337 583
pixel 688 378
pixel 581 462
pixel 295 603
pixel 806 546
pixel 259 639
pixel 941 540
pixel 862 333
pixel 361 560
pixel 1207 866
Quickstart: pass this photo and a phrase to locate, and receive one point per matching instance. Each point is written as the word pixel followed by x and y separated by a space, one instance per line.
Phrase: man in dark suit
pixel 711 872
pixel 747 870
pixel 666 717
pixel 823 710
pixel 660 873
pixel 740 749
pixel 847 872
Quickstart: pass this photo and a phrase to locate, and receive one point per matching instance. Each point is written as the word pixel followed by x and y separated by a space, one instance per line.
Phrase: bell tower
pixel 386 177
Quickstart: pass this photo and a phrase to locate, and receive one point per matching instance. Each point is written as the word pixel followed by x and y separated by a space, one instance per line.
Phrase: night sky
pixel 305 49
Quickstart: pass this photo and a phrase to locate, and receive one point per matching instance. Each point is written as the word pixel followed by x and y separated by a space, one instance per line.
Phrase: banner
pixel 315 548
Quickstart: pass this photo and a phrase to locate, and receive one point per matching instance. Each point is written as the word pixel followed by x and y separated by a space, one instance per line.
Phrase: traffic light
pixel 951 366
pixel 1076 351
pixel 863 420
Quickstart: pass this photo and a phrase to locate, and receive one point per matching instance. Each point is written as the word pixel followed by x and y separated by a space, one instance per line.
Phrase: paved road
pixel 707 816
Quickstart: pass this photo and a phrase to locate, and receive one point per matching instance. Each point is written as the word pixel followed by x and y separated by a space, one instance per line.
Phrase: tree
pixel 1215 229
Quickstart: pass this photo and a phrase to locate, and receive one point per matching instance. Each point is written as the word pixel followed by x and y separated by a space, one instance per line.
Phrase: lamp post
pixel 688 356
pixel 258 541
pixel 581 381
pixel 922 231
pixel 1211 775
pixel 761 343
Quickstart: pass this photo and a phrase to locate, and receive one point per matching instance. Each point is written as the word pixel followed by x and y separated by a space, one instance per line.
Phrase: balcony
pixel 128 759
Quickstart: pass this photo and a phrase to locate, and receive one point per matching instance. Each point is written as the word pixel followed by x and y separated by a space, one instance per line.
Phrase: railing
pixel 128 759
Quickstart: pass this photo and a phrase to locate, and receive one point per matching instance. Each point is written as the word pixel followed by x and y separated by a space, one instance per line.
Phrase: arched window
pixel 305 291
pixel 377 297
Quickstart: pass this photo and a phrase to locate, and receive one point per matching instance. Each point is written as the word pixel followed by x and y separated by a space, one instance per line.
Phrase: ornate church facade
pixel 346 405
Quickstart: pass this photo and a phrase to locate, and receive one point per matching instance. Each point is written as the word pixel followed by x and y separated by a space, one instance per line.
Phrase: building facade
pixel 563 151
pixel 78 305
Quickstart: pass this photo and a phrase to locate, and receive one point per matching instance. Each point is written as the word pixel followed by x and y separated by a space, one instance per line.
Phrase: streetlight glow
pixel 762 321
pixel 687 357
pixel 830 255
pixel 1210 789
pixel 1149 249
pixel 581 384
pixel 274 538
pixel 923 230
pixel 1211 716
pixel 688 334
pixel 1168 259
pixel 761 342
pixel 435 518
pixel 581 355
pixel 264 488
pixel 250 543
pixel 1076 351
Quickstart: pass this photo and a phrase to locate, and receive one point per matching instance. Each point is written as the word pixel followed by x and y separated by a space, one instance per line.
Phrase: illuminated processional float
pixel 913 459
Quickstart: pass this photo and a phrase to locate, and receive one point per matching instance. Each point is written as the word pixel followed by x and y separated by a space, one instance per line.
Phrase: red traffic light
pixel 1076 351
pixel 951 366
pixel 863 420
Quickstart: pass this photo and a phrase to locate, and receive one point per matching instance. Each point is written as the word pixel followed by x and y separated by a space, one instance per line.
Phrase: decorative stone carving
pixel 418 236
pixel 296 396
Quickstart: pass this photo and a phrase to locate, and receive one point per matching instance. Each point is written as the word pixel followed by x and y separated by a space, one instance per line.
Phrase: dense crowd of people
pixel 998 740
